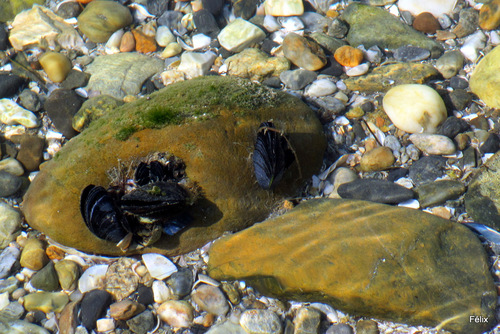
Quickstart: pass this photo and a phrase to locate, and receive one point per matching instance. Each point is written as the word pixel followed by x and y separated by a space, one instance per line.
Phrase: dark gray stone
pixel 244 8
pixel 452 126
pixel 181 282
pixel 213 6
pixel 157 7
pixel 68 10
pixel 329 44
pixel 30 100
pixel 9 184
pixel 297 79
pixel 142 323
pixel 380 191
pixel 337 28
pixel 94 306
pixel 427 169
pixel 145 295
pixel 172 19
pixel 438 192
pixel 61 106
pixel 397 173
pixel 329 107
pixel 205 23
pixel 367 327
pixel 332 68
pixel 75 79
pixel 10 84
pixel 46 278
pixel 460 99
pixel 411 53
pixel 491 144
pixel 4 40
pixel 340 329
pixel 458 83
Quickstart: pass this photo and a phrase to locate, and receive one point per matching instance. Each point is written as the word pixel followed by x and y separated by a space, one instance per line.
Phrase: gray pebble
pixel 438 192
pixel 367 327
pixel 8 257
pixel 13 311
pixel 340 329
pixel 142 323
pixel 297 79
pixel 427 169
pixel 467 22
pixel 46 278
pixel 8 285
pixel 180 282
pixel 458 83
pixel 450 63
pixel 392 142
pixel 337 28
pixel 261 321
pixel 9 184
pixel 29 100
pixel 460 99
pixel 452 126
pixel 380 191
pixel 411 53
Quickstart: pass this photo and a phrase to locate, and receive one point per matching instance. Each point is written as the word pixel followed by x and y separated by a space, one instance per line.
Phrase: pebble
pixel 195 64
pixel 205 23
pixel 9 83
pixel 457 82
pixel 33 255
pixel 340 329
pixel 159 266
pixel 56 65
pixel 143 43
pixel 460 99
pixel 21 327
pixel 171 50
pixel 30 100
pixel 379 158
pixel 210 299
pixel 68 273
pixel 415 108
pixel 121 280
pixel 46 301
pixel 100 19
pixel 46 278
pixel 105 325
pixel 303 52
pixel 75 79
pixel 12 113
pixel 239 35
pixel 68 318
pixel 10 223
pixel 320 87
pixel 92 278
pixel 142 323
pixel 30 153
pixel 348 56
pixel 94 305
pixel 127 42
pixel 467 23
pixel 145 295
pixel 436 8
pixel 161 292
pixel 380 191
pixel 411 53
pixel 452 126
pixel 427 169
pixel 67 10
pixel 433 144
pixel 164 36
pixel 181 282
pixel 426 23
pixel 13 311
pixel 284 7
pixel 92 109
pixel 3 37
pixel 8 258
pixel 291 24
pixel 483 81
pixel 297 79
pixel 489 15
pixel 175 313
pixel 491 144
pixel 358 70
pixel 472 45
pixel 254 64
pixel 306 320
pixel 450 63
pixel 261 321
pixel 367 327
pixel 61 106
pixel 438 192
pixel 125 309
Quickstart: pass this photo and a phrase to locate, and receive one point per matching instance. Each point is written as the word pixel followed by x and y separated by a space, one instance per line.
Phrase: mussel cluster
pixel 135 212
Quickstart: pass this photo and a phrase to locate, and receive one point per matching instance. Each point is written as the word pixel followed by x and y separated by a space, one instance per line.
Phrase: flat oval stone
pixel 303 52
pixel 380 191
pixel 411 53
pixel 484 80
pixel 261 321
pixel 367 259
pixel 438 192
pixel 433 144
pixel 210 123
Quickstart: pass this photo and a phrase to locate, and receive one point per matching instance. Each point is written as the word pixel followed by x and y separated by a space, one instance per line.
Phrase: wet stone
pixel 379 158
pixel 8 258
pixel 156 7
pixel 45 301
pixel 467 22
pixel 125 309
pixel 33 255
pixel 256 65
pixel 94 305
pixel 145 295
pixel 438 192
pixel 303 52
pixel 181 282
pixel 450 63
pixel 367 327
pixel 210 299
pixel 10 223
pixel 452 126
pixel 142 323
pixel 30 154
pixel 489 15
pixel 426 23
pixel 93 109
pixel 121 281
pixel 380 191
pixel 244 8
pixel 427 169
pixel 9 184
pixel 297 79
pixel 30 100
pixel 332 68
pixel 61 106
pixel 433 144
pixel 3 37
pixel 10 84
pixel 411 53
pixel 176 313
pixel 68 10
pixel 458 83
pixel 205 23
pixel 172 19
pixel 460 99
pixel 491 144
pixel 306 321
pixel 260 321
pixel 340 329
pixel 214 6
pixel 331 44
pixel 13 311
pixel 68 273
pixel 68 318
pixel 75 79
pixel 46 278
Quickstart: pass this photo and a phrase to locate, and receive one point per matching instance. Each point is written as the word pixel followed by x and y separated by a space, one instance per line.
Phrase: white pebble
pixel 12 113
pixel 412 204
pixel 159 266
pixel 435 7
pixel 200 41
pixel 161 292
pixel 358 70
pixel 321 87
pixel 105 325
pixel 291 23
pixel 445 21
pixel 4 300
pixel 433 144
pixel 164 36
pixel 113 44
pixel 473 44
pixel 195 64
pixel 494 38
pixel 271 24
pixel 92 278
pixel 415 108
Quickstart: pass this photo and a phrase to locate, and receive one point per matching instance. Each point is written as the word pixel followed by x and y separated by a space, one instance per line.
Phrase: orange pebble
pixel 332 13
pixel 83 1
pixel 143 43
pixel 54 253
pixel 379 122
pixel 348 56
pixel 127 42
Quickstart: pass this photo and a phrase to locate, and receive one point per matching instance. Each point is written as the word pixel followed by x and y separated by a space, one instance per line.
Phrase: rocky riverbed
pixel 374 209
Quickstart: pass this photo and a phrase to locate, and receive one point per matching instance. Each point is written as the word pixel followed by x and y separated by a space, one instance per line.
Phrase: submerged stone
pixel 484 81
pixel 211 123
pixel 373 260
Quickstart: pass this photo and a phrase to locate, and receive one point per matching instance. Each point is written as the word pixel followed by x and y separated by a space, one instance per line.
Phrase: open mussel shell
pixel 102 215
pixel 271 157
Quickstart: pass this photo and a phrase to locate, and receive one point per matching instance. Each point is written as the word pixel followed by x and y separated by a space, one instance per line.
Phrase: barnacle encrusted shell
pixel 211 123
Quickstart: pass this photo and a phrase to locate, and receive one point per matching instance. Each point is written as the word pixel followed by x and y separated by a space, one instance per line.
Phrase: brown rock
pixel 380 158
pixel 489 15
pixel 348 56
pixel 31 152
pixel 426 22
pixel 303 52
pixel 127 42
pixel 33 255
pixel 364 258
pixel 121 281
pixel 125 309
pixel 443 35
pixel 68 320
pixel 143 43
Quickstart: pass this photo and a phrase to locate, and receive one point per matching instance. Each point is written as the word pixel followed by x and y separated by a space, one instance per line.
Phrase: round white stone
pixel 92 278
pixel 159 266
pixel 433 144
pixel 435 7
pixel 161 292
pixel 414 108
pixel 164 36
pixel 321 87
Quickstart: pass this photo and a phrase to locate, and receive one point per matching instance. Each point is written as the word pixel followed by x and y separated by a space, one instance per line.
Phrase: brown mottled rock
pixel 383 78
pixel 31 151
pixel 374 260
pixel 125 309
pixel 33 255
pixel 121 281
pixel 489 15
pixel 143 43
pixel 68 320
pixel 215 145
pixel 379 158
pixel 254 64
pixel 426 22
pixel 303 52
pixel 127 43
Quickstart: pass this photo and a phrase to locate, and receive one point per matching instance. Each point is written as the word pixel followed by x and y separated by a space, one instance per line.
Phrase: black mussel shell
pixel 156 199
pixel 155 171
pixel 271 157
pixel 102 215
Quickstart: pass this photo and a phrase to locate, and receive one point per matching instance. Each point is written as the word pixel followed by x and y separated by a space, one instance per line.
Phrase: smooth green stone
pixel 211 123
pixel 383 78
pixel 485 80
pixel 371 26
pixel 92 109
pixel 438 192
pixel 45 301
pixel 46 278
pixel 121 74
pixel 68 273
pixel 327 42
pixel 10 224
pixel 10 8
pixel 482 200
pixel 100 19
pixel 369 259
pixel 8 285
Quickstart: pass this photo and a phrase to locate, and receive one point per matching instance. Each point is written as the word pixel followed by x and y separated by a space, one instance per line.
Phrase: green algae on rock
pixel 92 109
pixel 484 81
pixel 10 8
pixel 211 123
pixel 371 26
pixel 369 259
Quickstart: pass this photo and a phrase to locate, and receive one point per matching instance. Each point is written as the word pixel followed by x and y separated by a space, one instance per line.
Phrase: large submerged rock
pixel 369 259
pixel 211 123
